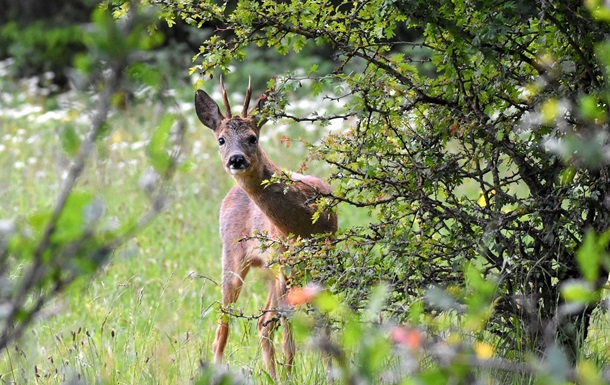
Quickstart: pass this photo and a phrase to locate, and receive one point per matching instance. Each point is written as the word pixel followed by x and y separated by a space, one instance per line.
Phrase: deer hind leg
pixel 267 324
pixel 232 283
pixel 288 346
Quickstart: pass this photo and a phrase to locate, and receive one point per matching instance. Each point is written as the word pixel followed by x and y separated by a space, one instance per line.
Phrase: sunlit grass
pixel 150 315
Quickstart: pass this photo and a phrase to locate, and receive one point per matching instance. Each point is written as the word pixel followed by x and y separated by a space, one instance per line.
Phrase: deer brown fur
pixel 254 206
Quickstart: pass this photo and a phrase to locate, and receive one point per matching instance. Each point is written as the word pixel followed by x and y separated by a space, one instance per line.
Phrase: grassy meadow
pixel 150 315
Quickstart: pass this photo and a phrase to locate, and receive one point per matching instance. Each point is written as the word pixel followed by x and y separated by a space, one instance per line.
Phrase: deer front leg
pixel 232 282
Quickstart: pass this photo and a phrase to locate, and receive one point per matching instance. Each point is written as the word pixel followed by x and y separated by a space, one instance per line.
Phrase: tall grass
pixel 150 315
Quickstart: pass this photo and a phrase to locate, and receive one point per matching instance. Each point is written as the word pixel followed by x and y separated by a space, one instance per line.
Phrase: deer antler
pixel 225 99
pixel 244 111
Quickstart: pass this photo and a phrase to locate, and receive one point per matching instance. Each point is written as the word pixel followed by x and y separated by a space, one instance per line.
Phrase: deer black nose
pixel 237 162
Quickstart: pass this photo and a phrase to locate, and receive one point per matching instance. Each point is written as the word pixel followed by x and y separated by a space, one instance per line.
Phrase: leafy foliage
pixel 46 249
pixel 40 47
pixel 478 144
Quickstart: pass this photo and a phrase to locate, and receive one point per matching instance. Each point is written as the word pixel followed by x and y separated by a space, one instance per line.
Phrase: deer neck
pixel 285 206
pixel 274 199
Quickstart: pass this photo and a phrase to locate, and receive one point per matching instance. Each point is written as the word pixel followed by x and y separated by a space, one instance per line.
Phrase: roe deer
pixel 252 207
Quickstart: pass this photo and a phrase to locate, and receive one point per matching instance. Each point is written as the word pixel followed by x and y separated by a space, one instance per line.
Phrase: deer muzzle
pixel 237 164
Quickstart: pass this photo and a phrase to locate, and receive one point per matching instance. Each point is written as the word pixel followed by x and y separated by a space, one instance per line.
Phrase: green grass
pixel 150 315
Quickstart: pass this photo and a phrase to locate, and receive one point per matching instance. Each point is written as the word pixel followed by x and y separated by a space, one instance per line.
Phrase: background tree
pixel 43 37
pixel 478 144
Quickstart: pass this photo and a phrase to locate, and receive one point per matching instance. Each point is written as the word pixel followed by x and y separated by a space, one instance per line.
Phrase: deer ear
pixel 256 111
pixel 207 110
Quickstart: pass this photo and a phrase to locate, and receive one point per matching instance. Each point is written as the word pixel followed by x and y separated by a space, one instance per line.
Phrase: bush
pixel 470 145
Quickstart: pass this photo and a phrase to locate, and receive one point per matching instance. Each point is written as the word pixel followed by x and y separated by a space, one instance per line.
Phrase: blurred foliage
pixel 44 250
pixel 47 37
pixel 478 142
pixel 40 48
pixel 42 36
pixel 29 11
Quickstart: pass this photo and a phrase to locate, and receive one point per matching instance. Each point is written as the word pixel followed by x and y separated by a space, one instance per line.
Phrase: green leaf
pixel 158 148
pixel 566 176
pixel 591 109
pixel 72 222
pixel 104 131
pixel 299 43
pixel 326 302
pixel 352 333
pixel 106 38
pixel 434 375
pixel 301 326
pixel 578 291
pixel 83 63
pixel 550 111
pixel 146 74
pixel 588 257
pixel 599 10
pixel 316 88
pixel 373 354
pixel 70 141
pixel 416 310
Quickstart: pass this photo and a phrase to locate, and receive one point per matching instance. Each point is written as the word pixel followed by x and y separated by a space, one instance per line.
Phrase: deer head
pixel 237 136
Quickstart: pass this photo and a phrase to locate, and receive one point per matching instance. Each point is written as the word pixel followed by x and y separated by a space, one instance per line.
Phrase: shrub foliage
pixel 478 143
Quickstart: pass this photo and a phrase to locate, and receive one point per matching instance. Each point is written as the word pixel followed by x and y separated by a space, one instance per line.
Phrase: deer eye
pixel 253 139
pixel 221 141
